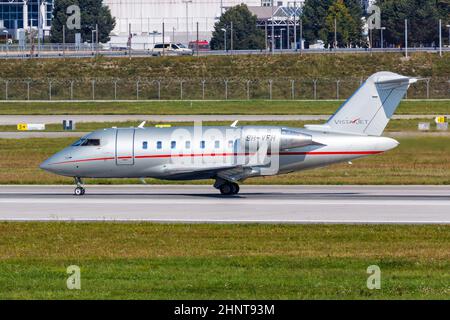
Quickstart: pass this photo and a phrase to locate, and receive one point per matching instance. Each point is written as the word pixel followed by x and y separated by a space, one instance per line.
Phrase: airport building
pixel 180 17
pixel 23 14
pixel 367 3
pixel 146 17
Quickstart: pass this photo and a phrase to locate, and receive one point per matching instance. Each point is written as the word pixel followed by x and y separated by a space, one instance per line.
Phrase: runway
pixel 255 204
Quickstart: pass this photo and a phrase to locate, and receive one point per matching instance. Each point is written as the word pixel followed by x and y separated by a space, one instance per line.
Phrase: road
pixel 57 119
pixel 77 134
pixel 55 51
pixel 255 204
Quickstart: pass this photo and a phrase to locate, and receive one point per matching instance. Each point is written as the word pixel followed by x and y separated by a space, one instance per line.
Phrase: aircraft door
pixel 239 153
pixel 239 149
pixel 125 146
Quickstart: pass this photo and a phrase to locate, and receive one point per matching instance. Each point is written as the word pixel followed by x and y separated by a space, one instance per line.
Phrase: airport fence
pixel 201 89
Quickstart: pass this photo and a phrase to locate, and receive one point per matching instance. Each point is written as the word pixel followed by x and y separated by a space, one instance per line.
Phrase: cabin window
pixel 217 144
pixel 159 145
pixel 145 145
pixel 173 144
pixel 188 144
pixel 202 144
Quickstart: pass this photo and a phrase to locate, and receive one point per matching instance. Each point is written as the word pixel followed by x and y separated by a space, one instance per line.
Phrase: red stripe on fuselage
pixel 330 153
pixel 156 156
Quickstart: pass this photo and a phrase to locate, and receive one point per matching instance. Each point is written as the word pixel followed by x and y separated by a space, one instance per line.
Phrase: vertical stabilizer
pixel 370 108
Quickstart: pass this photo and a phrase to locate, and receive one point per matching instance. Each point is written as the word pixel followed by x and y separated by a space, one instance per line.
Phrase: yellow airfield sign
pixel 440 119
pixel 22 127
pixel 30 126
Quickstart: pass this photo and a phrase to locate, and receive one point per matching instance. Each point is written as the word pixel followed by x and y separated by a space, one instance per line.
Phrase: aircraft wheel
pixel 79 191
pixel 226 189
pixel 235 188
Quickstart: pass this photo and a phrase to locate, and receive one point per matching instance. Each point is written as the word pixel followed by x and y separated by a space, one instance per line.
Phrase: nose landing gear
pixel 79 190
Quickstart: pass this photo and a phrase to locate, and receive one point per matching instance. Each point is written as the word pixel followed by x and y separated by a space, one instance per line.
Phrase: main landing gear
pixel 79 190
pixel 227 188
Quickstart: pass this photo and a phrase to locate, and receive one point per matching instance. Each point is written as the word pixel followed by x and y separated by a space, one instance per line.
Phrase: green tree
pixel 246 35
pixel 318 21
pixel 313 18
pixel 423 20
pixel 346 27
pixel 357 13
pixel 93 13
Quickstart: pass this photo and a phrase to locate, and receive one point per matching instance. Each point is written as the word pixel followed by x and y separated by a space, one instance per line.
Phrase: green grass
pixel 206 107
pixel 238 70
pixel 418 160
pixel 219 67
pixel 151 261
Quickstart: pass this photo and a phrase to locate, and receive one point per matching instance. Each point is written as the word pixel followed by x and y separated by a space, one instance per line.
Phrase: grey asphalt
pixel 55 119
pixel 255 204
pixel 75 134
pixel 52 119
pixel 40 134
pixel 55 53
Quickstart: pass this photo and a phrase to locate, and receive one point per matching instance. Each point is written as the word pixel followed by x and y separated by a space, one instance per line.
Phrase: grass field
pixel 219 67
pixel 419 160
pixel 207 107
pixel 149 261
pixel 314 76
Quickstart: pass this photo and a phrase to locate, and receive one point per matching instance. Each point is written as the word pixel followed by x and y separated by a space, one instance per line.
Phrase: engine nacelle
pixel 254 138
pixel 294 139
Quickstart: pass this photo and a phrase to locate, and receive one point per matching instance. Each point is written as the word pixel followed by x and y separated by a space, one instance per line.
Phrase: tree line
pixel 341 23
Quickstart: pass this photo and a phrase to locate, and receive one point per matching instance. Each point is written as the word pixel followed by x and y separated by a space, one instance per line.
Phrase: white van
pixel 171 49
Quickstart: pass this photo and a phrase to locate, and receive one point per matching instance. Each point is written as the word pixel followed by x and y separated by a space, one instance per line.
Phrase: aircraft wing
pixel 227 172
pixel 233 174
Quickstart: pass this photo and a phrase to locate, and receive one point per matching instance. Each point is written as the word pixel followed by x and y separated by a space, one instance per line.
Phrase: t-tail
pixel 369 109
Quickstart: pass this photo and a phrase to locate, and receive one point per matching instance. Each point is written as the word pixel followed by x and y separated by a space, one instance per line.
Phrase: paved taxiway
pixel 77 134
pixel 255 204
pixel 56 119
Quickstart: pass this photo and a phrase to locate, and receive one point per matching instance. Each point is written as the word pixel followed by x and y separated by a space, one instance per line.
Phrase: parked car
pixel 171 49
pixel 202 45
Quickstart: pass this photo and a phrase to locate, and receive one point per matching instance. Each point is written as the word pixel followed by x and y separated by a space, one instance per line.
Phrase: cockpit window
pixel 78 143
pixel 86 142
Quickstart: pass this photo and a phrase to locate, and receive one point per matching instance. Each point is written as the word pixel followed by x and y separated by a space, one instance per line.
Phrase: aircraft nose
pixel 46 165
pixel 52 163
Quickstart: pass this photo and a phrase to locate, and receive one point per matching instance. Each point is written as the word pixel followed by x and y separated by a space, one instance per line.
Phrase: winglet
pixel 141 126
pixel 234 124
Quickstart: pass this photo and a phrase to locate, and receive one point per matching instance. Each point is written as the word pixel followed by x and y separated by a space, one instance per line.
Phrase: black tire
pixel 79 191
pixel 226 189
pixel 236 188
